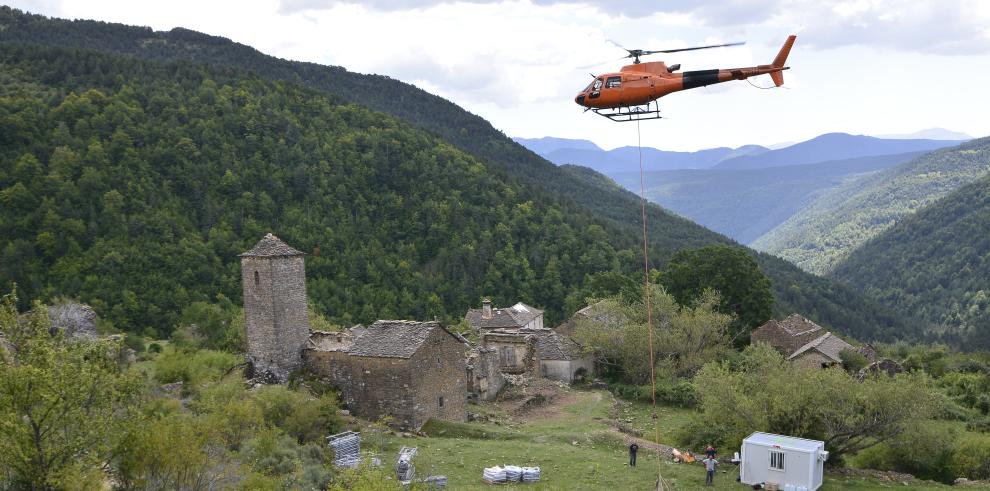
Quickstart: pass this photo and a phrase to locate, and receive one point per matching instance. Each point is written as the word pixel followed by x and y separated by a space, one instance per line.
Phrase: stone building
pixel 518 316
pixel 539 352
pixel 787 335
pixel 275 316
pixel 820 352
pixel 561 358
pixel 411 371
pixel 805 343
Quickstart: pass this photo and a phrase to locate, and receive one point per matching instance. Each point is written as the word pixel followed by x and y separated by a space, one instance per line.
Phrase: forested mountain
pixel 832 146
pixel 816 297
pixel 745 204
pixel 934 265
pixel 134 186
pixel 821 235
pixel 407 270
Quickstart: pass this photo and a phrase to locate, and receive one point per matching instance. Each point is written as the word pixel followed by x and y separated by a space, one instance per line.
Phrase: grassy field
pixel 576 449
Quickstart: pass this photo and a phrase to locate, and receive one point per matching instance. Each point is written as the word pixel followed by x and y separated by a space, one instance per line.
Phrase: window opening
pixel 256 280
pixel 613 82
pixel 441 401
pixel 777 461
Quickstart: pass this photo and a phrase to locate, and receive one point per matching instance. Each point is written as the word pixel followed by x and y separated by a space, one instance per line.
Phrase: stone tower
pixel 276 322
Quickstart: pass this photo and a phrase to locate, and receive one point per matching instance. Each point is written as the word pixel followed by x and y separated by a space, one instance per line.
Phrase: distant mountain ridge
pixel 819 237
pixel 547 144
pixel 745 204
pixel 832 146
pixel 930 134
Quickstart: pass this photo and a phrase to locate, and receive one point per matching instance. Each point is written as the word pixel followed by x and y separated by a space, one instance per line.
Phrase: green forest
pixel 824 233
pixel 133 186
pixel 934 264
pixel 592 207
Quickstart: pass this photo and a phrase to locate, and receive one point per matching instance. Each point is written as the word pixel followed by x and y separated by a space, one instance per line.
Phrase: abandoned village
pixel 412 371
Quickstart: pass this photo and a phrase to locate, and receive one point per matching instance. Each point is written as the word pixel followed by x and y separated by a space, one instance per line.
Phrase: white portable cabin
pixel 795 464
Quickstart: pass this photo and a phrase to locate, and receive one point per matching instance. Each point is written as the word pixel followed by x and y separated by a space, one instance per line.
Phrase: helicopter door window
pixel 613 82
pixel 596 89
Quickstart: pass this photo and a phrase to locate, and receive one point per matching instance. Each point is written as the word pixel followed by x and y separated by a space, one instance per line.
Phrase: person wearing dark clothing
pixel 632 454
pixel 710 452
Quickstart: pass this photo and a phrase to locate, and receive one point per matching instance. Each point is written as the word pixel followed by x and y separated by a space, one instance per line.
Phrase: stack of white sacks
pixel 511 473
pixel 494 474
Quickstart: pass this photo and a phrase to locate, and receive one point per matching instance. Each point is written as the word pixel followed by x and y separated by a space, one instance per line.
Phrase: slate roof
pixel 796 325
pixel 789 334
pixel 552 345
pixel 271 246
pixel 393 338
pixel 518 315
pixel 827 344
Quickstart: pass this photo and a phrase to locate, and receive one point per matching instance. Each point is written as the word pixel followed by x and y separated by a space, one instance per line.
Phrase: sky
pixel 859 66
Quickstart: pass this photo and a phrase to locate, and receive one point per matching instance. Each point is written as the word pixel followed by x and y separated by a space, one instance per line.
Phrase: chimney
pixel 486 308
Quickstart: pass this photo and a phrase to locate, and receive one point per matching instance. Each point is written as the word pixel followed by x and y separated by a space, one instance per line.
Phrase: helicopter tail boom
pixel 778 62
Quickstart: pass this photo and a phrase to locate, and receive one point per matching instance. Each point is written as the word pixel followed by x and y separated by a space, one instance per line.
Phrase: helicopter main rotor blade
pixel 593 65
pixel 644 52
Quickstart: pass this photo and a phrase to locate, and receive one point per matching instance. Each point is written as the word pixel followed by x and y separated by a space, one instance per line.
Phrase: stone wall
pixel 811 359
pixel 566 370
pixel 516 352
pixel 440 374
pixel 276 321
pixel 484 378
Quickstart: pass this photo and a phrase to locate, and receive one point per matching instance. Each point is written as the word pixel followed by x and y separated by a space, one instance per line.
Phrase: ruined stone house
pixel 411 371
pixel 484 374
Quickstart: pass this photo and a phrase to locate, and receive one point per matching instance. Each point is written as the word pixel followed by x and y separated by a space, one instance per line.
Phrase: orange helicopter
pixel 631 94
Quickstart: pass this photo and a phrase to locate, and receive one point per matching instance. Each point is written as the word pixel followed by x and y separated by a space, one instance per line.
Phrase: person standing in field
pixel 710 463
pixel 710 451
pixel 632 454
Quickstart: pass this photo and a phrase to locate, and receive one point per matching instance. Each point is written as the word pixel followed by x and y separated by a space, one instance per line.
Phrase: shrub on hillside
pixel 972 457
pixel 765 393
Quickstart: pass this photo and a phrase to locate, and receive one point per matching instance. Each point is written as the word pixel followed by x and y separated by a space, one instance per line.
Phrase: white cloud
pixel 515 62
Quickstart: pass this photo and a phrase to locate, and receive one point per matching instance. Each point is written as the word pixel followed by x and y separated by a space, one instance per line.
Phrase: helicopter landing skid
pixel 643 112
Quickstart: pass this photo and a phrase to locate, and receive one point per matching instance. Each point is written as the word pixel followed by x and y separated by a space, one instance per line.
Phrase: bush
pixel 193 367
pixel 925 450
pixel 765 393
pixel 853 361
pixel 972 457
pixel 298 413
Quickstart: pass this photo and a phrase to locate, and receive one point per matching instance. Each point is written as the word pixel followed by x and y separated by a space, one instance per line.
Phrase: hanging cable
pixel 660 485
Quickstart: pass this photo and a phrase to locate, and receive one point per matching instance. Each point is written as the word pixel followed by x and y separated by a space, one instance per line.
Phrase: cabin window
pixel 613 82
pixel 440 401
pixel 777 461
pixel 256 280
pixel 597 85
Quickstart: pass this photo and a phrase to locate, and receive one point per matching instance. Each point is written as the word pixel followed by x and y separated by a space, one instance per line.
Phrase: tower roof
pixel 271 246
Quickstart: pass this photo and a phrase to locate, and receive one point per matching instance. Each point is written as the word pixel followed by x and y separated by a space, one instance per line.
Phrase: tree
pixel 761 391
pixel 684 337
pixel 63 401
pixel 742 286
